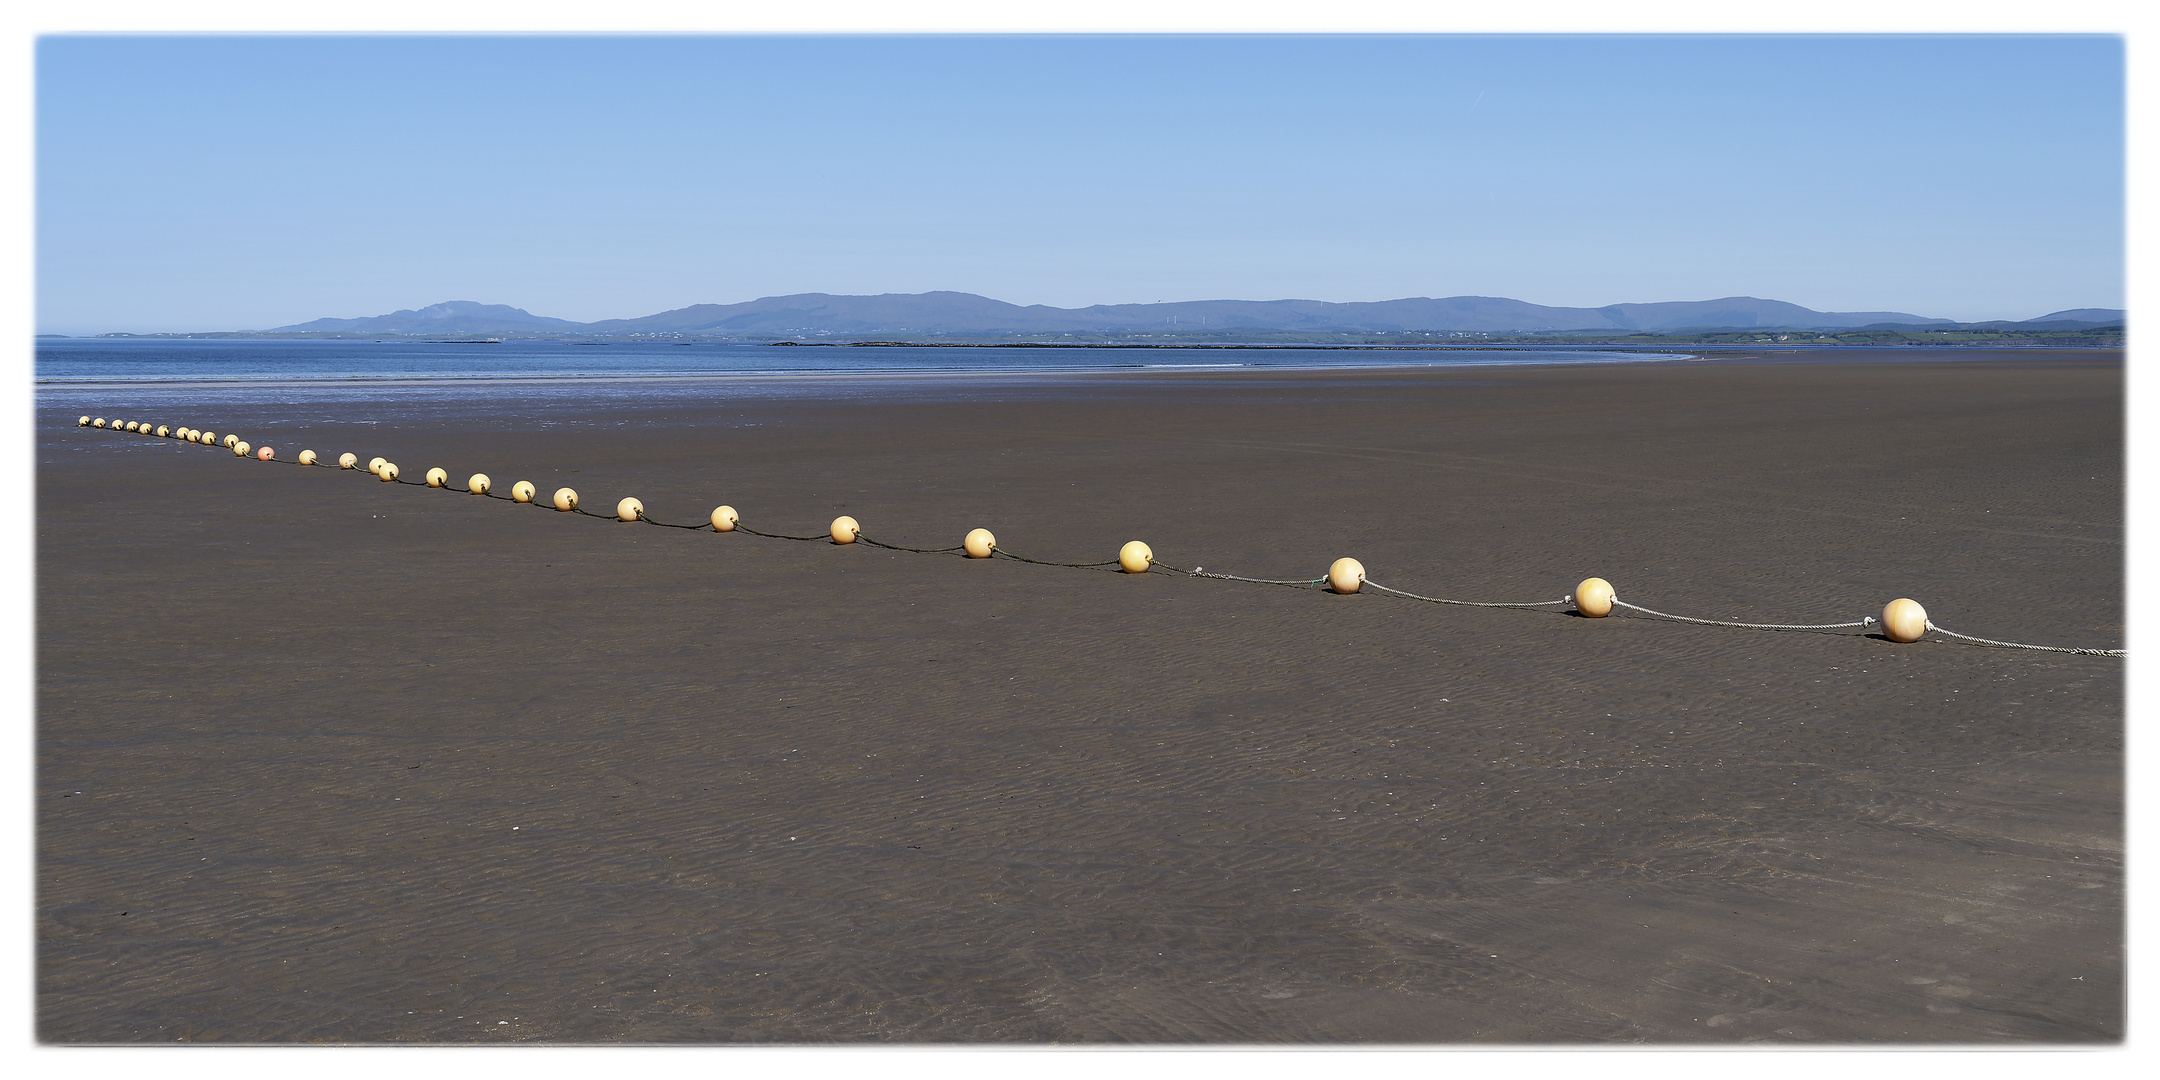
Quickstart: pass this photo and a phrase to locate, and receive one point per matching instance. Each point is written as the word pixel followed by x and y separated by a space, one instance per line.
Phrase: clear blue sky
pixel 206 183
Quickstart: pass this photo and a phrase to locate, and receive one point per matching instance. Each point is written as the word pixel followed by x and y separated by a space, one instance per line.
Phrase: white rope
pixel 1464 603
pixel 2014 645
pixel 1747 625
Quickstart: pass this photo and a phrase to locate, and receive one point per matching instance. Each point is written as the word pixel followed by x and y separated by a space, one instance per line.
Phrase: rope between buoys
pixel 1464 603
pixel 740 527
pixel 996 550
pixel 1746 625
pixel 2014 645
pixel 918 551
pixel 649 521
pixel 1198 571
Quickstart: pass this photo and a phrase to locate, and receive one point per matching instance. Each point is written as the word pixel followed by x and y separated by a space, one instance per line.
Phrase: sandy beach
pixel 323 759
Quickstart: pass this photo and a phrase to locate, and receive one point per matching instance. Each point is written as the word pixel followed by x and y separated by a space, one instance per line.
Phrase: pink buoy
pixel 265 454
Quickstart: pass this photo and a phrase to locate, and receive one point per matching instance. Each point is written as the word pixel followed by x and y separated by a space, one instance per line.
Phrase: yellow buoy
pixel 191 435
pixel 99 422
pixel 84 422
pixel 1346 575
pixel 265 454
pixel 207 438
pixel 844 530
pixel 307 457
pixel 131 425
pixel 1904 620
pixel 1134 557
pixel 231 439
pixel 479 484
pixel 978 543
pixel 565 499
pixel 724 519
pixel 348 461
pixel 388 472
pixel 164 432
pixel 629 509
pixel 1594 597
pixel 437 478
pixel 240 448
pixel 375 464
pixel 523 491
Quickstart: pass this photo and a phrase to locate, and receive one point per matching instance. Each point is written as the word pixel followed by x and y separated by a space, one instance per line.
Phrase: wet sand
pixel 322 759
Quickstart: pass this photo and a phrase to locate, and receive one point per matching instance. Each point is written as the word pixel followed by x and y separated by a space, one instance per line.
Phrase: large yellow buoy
pixel 629 509
pixel 240 448
pixel 164 432
pixel 1134 557
pixel 978 543
pixel 307 457
pixel 844 530
pixel 1904 620
pixel 437 478
pixel 523 491
pixel 479 484
pixel 724 519
pixel 265 454
pixel 1346 575
pixel 348 461
pixel 565 499
pixel 375 464
pixel 84 422
pixel 388 472
pixel 1593 597
pixel 231 439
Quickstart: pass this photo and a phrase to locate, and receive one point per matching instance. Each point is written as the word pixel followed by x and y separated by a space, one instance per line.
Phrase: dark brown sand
pixel 326 759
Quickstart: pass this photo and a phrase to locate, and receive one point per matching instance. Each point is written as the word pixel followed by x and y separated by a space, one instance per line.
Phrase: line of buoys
pixel 1903 620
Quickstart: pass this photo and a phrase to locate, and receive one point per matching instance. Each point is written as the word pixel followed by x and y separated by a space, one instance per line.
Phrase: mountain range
pixel 951 313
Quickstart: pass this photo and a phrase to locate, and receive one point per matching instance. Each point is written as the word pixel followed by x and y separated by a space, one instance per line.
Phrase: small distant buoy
pixel 348 461
pixel 1904 620
pixel 629 509
pixel 523 491
pixel 388 472
pixel 375 464
pixel 479 484
pixel 240 448
pixel 978 544
pixel 1346 575
pixel 207 438
pixel 307 457
pixel 844 530
pixel 1593 597
pixel 99 422
pixel 265 454
pixel 565 499
pixel 724 519
pixel 437 478
pixel 191 435
pixel 164 432
pixel 84 422
pixel 1134 557
pixel 231 439
pixel 131 425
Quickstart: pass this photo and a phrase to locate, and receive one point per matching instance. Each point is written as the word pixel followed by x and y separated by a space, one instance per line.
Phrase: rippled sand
pixel 325 759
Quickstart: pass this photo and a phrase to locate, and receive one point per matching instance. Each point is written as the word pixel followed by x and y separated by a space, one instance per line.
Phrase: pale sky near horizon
pixel 193 183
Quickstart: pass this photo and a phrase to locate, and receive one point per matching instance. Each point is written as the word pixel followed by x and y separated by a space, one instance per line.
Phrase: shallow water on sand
pixel 326 759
